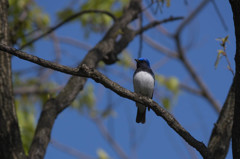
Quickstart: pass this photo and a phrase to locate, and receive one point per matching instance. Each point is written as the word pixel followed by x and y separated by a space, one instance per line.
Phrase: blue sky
pixel 155 139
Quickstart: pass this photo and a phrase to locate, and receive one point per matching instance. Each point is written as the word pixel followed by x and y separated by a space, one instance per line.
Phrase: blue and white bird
pixel 143 82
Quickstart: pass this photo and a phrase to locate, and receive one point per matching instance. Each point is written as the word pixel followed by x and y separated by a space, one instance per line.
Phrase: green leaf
pixel 172 84
pixel 223 41
pixel 102 154
pixel 220 52
pixel 63 14
pixel 168 3
pixel 126 60
pixel 25 16
pixel 166 103
pixel 26 119
pixel 108 112
pixel 86 100
pixel 100 22
pixel 160 79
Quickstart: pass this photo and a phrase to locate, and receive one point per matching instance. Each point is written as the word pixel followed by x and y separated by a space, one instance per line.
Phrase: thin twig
pixel 140 36
pixel 159 47
pixel 191 16
pixel 156 23
pixel 34 90
pixel 74 42
pixel 110 139
pixel 69 150
pixel 219 15
pixel 190 89
pixel 160 28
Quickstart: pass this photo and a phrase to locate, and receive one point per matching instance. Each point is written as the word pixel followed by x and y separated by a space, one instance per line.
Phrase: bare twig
pixel 159 28
pixel 74 42
pixel 156 23
pixel 219 15
pixel 160 48
pixel 110 139
pixel 69 150
pixel 190 89
pixel 140 36
pixel 45 74
pixel 33 90
pixel 191 16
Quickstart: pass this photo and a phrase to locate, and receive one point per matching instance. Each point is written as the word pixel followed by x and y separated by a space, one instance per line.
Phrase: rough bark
pixel 10 140
pixel 235 4
pixel 222 132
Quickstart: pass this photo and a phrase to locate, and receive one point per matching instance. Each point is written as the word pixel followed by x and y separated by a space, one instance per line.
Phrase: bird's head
pixel 142 62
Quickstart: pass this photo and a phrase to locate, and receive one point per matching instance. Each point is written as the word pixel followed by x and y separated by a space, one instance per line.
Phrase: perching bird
pixel 143 82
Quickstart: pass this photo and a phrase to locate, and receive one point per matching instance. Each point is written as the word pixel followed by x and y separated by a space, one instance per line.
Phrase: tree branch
pixel 160 48
pixel 50 113
pixel 156 23
pixel 191 16
pixel 11 145
pixel 39 61
pixel 219 141
pixel 74 42
pixel 70 150
pixel 110 139
pixel 235 4
pixel 34 90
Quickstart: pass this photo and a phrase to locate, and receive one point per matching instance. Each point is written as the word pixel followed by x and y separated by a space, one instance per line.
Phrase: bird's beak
pixel 136 60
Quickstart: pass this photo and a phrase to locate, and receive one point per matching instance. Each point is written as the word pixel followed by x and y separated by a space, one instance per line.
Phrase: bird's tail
pixel 141 116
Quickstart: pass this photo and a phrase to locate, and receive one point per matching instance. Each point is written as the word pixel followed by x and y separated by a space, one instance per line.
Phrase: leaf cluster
pixel 25 19
pixel 95 22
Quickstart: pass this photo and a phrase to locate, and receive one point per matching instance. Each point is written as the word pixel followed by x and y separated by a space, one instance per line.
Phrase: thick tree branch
pixel 222 132
pixel 65 21
pixel 50 113
pixel 235 4
pixel 10 141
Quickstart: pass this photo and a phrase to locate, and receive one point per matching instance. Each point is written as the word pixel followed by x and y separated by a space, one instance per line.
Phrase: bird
pixel 143 82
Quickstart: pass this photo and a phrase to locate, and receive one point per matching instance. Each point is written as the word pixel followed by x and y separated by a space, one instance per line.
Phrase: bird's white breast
pixel 143 83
